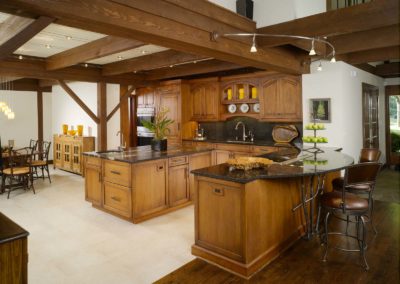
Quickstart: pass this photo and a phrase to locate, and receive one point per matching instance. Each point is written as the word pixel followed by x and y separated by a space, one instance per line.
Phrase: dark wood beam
pixel 365 40
pixel 203 67
pixel 366 67
pixel 372 15
pixel 30 85
pixel 388 70
pixel 92 50
pixel 373 55
pixel 79 101
pixel 37 69
pixel 124 114
pixel 102 116
pixel 123 97
pixel 40 114
pixel 23 36
pixel 126 21
pixel 148 62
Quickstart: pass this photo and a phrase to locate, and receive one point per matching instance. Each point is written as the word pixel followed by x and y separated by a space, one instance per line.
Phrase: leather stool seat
pixel 352 202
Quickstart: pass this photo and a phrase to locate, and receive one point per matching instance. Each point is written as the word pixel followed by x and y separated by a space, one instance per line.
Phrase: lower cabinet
pixel 149 188
pixel 93 184
pixel 178 185
pixel 117 199
pixel 197 161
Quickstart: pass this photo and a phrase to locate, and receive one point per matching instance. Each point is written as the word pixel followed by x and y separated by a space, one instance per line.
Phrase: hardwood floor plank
pixel 302 262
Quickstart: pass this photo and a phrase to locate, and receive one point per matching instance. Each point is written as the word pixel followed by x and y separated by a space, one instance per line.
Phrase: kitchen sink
pixel 239 142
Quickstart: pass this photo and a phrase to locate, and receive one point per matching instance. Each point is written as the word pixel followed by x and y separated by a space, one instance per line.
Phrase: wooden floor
pixel 302 262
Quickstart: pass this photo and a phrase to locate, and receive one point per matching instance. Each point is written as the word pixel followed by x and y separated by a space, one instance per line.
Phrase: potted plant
pixel 160 129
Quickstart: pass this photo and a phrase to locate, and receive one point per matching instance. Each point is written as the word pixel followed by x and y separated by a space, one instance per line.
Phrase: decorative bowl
pixel 71 132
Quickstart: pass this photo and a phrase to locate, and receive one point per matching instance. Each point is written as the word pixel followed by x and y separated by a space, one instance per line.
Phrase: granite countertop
pixel 10 231
pixel 270 143
pixel 287 164
pixel 144 153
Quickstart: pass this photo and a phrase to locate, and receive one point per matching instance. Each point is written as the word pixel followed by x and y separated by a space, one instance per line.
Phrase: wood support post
pixel 133 125
pixel 124 114
pixel 102 115
pixel 40 114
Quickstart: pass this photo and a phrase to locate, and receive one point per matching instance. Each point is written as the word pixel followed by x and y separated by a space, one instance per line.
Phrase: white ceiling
pixel 57 37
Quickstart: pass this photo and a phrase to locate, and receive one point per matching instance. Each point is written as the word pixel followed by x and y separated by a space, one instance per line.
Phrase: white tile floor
pixel 71 242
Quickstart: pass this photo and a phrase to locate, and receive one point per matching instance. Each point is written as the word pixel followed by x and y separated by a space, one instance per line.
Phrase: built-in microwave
pixel 144 135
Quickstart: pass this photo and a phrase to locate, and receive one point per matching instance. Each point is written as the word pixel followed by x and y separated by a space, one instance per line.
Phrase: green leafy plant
pixel 161 124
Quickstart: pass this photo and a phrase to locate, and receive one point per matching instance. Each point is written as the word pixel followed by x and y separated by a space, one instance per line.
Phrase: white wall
pixel 343 84
pixel 67 111
pixel 25 125
pixel 391 81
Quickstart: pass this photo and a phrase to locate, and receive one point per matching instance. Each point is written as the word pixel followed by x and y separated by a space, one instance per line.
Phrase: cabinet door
pixel 76 157
pixel 198 101
pixel 211 102
pixel 221 156
pixel 149 193
pixel 240 154
pixel 178 185
pixel 117 199
pixel 66 160
pixel 171 100
pixel 58 154
pixel 269 103
pixel 197 161
pixel 93 184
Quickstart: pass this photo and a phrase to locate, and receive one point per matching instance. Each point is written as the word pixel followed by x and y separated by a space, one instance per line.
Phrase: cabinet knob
pixel 218 191
pixel 116 198
pixel 115 172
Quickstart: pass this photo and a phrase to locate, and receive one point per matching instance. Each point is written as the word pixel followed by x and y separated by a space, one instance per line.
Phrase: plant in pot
pixel 160 127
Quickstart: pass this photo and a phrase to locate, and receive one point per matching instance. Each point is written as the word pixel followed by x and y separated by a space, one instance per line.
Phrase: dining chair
pixel 19 171
pixel 43 162
pixel 345 203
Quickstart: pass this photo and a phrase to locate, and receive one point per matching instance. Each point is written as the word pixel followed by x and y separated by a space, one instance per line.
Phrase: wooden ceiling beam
pixel 30 85
pixel 371 15
pixel 8 47
pixel 37 69
pixel 125 21
pixel 364 40
pixel 99 48
pixel 148 62
pixel 388 69
pixel 366 67
pixel 373 55
pixel 203 67
pixel 11 26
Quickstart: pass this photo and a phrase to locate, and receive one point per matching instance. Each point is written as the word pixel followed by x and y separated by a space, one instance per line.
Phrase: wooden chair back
pixel 369 155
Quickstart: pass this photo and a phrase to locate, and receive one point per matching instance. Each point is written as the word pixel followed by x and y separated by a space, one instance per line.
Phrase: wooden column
pixel 102 115
pixel 40 114
pixel 133 125
pixel 124 116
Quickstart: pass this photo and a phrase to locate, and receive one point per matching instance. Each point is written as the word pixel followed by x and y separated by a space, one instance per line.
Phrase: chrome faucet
pixel 122 144
pixel 244 129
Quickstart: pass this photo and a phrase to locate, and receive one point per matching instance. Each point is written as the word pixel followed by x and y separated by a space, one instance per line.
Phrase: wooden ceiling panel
pixel 372 55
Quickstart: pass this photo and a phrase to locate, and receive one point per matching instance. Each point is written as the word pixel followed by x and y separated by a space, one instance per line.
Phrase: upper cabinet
pixel 145 97
pixel 280 99
pixel 204 101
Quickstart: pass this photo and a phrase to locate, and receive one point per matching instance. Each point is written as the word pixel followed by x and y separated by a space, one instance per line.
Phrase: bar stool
pixel 349 204
pixel 366 155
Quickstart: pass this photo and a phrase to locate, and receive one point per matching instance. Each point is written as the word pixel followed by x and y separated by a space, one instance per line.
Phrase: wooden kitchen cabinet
pixel 149 188
pixel 280 99
pixel 178 185
pixel 205 101
pixel 67 151
pixel 117 199
pixel 93 184
pixel 197 161
pixel 145 97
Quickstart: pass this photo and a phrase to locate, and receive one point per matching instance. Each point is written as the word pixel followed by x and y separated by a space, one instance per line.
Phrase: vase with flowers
pixel 160 127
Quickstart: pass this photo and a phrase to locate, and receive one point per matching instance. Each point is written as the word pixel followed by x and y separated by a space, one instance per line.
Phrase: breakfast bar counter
pixel 245 219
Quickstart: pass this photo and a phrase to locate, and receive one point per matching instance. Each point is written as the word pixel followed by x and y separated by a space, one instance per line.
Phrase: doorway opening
pixel 392 103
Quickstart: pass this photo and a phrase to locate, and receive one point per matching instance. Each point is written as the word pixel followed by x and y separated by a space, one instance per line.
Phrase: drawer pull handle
pixel 218 191
pixel 116 198
pixel 160 168
pixel 115 172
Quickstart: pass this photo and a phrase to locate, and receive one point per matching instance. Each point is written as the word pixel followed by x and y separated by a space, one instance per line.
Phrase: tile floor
pixel 71 242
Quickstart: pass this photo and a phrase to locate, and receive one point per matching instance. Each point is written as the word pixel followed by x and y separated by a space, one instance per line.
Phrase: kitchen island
pixel 245 219
pixel 139 184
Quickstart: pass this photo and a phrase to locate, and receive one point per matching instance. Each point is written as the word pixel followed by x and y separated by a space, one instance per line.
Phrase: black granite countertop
pixel 270 143
pixel 144 153
pixel 10 231
pixel 287 164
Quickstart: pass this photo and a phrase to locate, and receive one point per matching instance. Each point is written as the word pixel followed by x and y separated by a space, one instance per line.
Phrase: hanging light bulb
pixel 11 115
pixel 253 47
pixel 7 111
pixel 319 68
pixel 333 59
pixel 312 51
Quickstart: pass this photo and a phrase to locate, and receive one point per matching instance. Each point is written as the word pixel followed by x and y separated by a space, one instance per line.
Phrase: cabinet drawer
pixel 176 161
pixel 117 199
pixel 234 148
pixel 117 172
pixel 92 161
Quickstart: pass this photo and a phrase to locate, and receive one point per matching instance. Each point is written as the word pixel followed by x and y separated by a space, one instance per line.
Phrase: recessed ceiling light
pixel 120 57
pixel 171 66
pixel 144 51
pixel 20 57
pixel 69 37
pixel 135 71
pixel 86 65
pixel 48 46
pixel 194 62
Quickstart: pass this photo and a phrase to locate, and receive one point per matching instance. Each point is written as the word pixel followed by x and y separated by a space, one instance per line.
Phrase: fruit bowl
pixel 71 132
pixel 315 126
pixel 312 139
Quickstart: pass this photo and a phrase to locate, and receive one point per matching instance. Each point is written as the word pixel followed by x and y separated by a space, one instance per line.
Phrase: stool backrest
pixel 362 173
pixel 369 155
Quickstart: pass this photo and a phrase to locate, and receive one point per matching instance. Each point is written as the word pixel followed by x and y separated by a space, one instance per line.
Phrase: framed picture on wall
pixel 320 109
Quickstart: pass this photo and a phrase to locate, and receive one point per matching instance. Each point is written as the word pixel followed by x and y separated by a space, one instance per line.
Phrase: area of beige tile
pixel 71 242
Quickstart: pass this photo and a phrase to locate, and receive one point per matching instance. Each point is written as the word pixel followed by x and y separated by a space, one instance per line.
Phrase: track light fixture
pixel 319 68
pixel 312 52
